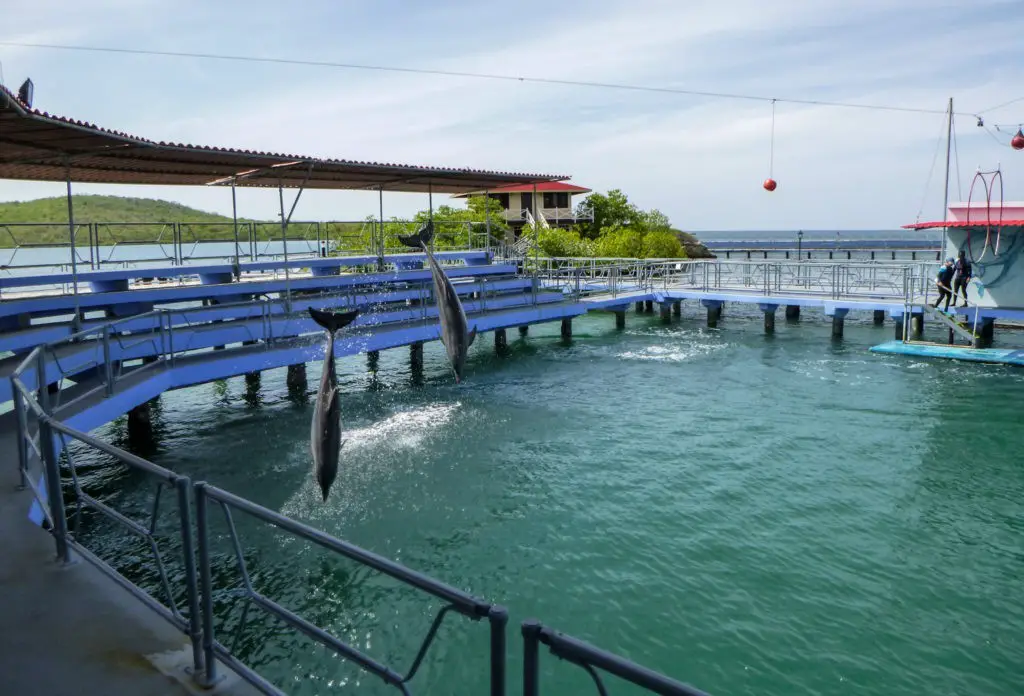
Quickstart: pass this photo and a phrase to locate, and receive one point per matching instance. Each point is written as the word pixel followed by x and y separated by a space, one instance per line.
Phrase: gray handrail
pixel 589 657
pixel 455 599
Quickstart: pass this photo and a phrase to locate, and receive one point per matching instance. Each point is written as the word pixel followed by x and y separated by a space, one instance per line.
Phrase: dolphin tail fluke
pixel 332 321
pixel 421 238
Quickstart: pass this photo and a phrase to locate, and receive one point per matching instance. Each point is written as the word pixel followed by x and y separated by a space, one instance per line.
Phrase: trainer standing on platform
pixel 963 276
pixel 944 279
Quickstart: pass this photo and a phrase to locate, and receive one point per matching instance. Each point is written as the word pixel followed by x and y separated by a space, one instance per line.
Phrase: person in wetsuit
pixel 944 279
pixel 963 277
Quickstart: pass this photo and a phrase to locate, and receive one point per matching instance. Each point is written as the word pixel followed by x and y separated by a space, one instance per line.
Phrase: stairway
pixel 959 328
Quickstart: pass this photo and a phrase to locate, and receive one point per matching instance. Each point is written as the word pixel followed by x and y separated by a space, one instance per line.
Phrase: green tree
pixel 620 242
pixel 563 242
pixel 608 211
pixel 662 244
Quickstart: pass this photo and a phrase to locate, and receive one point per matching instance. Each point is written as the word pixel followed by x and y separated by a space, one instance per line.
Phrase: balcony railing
pixel 552 215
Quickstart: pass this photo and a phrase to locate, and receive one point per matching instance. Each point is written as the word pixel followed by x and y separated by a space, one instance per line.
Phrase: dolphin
pixel 455 333
pixel 325 435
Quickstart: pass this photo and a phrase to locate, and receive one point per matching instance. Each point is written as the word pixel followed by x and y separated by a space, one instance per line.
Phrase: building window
pixel 559 199
pixel 501 198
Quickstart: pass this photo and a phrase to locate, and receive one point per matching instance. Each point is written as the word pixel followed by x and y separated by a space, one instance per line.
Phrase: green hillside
pixel 149 218
pixel 103 209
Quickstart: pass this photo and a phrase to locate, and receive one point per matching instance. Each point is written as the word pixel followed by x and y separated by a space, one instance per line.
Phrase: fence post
pixel 19 414
pixel 498 616
pixel 195 632
pixel 531 657
pixel 108 368
pixel 51 467
pixel 205 585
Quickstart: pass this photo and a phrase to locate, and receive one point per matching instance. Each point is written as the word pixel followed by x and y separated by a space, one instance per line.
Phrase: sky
pixel 700 160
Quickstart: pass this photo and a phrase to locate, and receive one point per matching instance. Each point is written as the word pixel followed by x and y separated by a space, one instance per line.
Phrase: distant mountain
pixel 104 209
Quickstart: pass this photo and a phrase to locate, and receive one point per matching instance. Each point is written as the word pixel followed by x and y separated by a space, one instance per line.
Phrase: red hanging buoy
pixel 1017 141
pixel 769 184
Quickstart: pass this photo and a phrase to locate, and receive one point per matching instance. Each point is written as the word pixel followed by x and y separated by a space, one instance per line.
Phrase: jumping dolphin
pixel 455 333
pixel 325 436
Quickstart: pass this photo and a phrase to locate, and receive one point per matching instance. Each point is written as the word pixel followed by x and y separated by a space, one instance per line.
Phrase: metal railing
pixel 100 245
pixel 42 475
pixel 590 659
pixel 583 276
pixel 454 600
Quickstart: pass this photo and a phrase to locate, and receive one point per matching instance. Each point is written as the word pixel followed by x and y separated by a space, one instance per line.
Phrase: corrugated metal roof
pixel 964 223
pixel 38 146
pixel 543 187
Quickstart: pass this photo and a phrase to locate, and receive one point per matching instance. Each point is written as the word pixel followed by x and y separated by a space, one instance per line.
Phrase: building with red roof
pixel 547 202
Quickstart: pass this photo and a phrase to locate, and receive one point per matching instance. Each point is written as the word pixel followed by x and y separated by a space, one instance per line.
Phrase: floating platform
pixel 1000 356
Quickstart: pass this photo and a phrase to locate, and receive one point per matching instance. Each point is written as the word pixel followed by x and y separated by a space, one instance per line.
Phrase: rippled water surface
pixel 752 515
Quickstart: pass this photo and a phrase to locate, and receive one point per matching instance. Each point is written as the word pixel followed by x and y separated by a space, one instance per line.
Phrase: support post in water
pixel 649 306
pixel 677 308
pixel 373 360
pixel 898 325
pixel 879 317
pixel 500 340
pixel 524 330
pixel 769 317
pixel 566 329
pixel 140 426
pixel 640 307
pixel 620 319
pixel 838 315
pixel 986 333
pixel 416 356
pixel 296 376
pixel 714 308
pixel 792 312
pixel 916 326
pixel 665 313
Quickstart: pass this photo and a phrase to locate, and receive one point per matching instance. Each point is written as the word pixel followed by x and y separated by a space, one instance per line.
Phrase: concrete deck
pixel 69 631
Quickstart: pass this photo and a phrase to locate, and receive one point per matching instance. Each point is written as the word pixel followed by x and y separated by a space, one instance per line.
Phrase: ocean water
pixel 751 515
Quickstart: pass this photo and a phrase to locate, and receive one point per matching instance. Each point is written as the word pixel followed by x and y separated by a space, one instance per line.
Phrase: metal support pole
pixel 284 241
pixel 76 322
pixel 234 217
pixel 195 632
pixel 499 619
pixel 205 585
pixel 381 241
pixel 487 212
pixel 430 211
pixel 536 229
pixel 531 657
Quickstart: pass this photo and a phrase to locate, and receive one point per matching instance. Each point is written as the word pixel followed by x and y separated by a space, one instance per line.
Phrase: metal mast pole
pixel 945 193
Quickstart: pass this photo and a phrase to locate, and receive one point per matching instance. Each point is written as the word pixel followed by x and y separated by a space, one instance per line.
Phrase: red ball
pixel 1017 141
pixel 769 184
